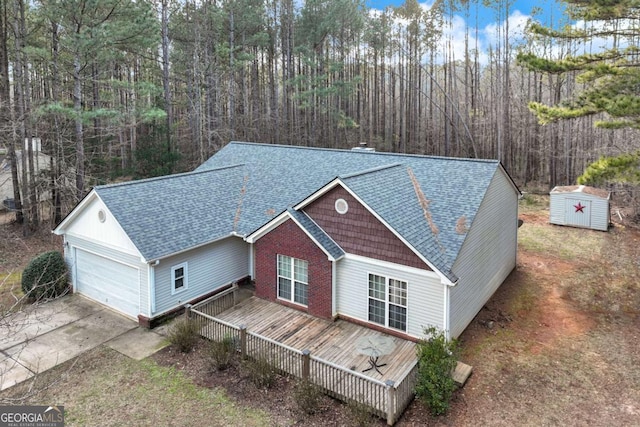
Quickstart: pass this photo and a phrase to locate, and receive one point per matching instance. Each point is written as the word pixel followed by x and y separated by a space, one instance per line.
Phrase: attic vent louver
pixel 342 207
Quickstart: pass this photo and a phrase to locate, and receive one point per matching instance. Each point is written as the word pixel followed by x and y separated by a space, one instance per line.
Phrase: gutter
pixel 232 234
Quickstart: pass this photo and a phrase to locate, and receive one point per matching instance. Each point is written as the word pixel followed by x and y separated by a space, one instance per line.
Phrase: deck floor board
pixel 333 341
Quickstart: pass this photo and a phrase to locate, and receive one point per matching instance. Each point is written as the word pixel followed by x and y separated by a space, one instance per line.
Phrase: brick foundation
pixel 152 322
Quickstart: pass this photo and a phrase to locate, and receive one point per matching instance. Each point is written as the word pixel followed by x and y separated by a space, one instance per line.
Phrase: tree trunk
pixel 165 72
pixel 77 107
pixel 57 151
pixel 19 97
pixel 8 136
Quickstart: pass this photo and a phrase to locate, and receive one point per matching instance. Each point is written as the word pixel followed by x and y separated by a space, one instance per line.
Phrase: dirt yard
pixel 556 345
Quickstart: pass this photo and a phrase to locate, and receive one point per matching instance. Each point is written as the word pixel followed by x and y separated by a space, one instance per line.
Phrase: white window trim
pixel 185 279
pixel 386 302
pixel 292 279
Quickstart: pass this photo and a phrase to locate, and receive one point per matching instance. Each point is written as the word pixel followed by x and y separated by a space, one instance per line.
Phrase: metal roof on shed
pixel 585 189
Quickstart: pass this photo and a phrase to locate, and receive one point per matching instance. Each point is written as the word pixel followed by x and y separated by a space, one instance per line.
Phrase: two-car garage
pixel 109 282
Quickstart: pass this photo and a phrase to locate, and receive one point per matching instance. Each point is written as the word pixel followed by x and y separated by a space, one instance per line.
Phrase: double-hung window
pixel 178 278
pixel 388 302
pixel 293 279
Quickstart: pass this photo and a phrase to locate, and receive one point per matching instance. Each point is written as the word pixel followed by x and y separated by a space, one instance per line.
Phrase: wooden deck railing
pixel 405 390
pixel 349 385
pixel 219 302
pixel 384 399
pixel 285 359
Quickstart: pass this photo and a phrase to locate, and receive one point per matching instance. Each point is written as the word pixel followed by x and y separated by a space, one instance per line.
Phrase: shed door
pixel 108 282
pixel 578 212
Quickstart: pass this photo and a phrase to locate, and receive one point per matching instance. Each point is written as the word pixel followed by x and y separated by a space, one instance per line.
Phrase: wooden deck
pixel 332 341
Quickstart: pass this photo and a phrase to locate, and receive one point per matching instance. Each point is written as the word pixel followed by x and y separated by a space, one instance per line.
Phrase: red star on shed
pixel 579 207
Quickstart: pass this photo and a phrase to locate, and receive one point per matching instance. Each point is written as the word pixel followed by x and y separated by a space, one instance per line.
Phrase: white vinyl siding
pixel 425 301
pixel 74 243
pixel 293 280
pixel 595 214
pixel 209 268
pixel 488 254
pixel 109 233
pixel 578 212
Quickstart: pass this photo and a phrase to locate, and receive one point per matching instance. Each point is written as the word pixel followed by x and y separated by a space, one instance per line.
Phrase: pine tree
pixel 96 39
pixel 611 77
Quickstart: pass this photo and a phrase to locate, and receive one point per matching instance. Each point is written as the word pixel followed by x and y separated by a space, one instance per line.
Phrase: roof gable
pixel 359 231
pixel 93 220
pixel 422 199
pixel 167 215
pixel 425 205
pixel 317 234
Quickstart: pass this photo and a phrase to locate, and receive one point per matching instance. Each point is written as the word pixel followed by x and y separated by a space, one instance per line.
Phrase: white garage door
pixel 109 282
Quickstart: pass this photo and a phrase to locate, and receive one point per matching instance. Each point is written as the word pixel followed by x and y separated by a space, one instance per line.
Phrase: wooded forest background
pixel 120 89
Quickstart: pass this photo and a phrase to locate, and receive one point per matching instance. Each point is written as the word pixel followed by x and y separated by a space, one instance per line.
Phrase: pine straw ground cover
pixel 556 345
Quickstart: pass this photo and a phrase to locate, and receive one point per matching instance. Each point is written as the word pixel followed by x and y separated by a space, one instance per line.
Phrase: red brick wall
pixel 358 231
pixel 288 239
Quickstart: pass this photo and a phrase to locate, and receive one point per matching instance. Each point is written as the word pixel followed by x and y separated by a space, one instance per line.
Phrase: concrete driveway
pixel 46 335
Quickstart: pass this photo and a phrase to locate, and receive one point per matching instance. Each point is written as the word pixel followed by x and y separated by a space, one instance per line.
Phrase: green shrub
pixel 307 396
pixel 261 373
pixel 45 276
pixel 184 334
pixel 529 200
pixel 221 354
pixel 437 358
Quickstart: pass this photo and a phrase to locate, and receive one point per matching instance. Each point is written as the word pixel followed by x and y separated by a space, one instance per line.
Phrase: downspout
pixel 334 302
pixel 152 286
pixel 74 254
pixel 252 273
pixel 445 321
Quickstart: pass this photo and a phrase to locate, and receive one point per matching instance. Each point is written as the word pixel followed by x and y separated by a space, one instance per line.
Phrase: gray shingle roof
pixel 453 187
pixel 318 233
pixel 259 181
pixel 170 214
pixel 430 227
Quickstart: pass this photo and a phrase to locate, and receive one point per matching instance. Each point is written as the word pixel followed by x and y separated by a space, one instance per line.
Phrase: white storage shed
pixel 580 206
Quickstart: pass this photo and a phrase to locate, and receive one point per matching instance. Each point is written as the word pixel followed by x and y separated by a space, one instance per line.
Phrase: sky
pixel 547 10
pixel 489 21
